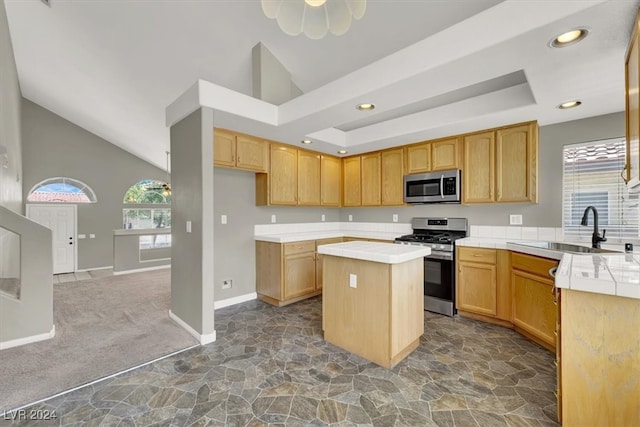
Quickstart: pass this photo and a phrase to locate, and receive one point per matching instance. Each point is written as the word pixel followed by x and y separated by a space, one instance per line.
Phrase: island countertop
pixel 387 253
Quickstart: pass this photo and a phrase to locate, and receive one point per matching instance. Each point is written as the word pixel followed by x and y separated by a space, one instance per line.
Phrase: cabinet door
pixel 351 192
pixel 330 180
pixel 476 291
pixel 319 258
pixel 632 68
pixel 308 178
pixel 533 308
pixel 419 158
pixel 445 154
pixel 392 172
pixel 516 164
pixel 478 173
pixel 371 179
pixel 299 274
pixel 283 176
pixel 224 148
pixel 252 153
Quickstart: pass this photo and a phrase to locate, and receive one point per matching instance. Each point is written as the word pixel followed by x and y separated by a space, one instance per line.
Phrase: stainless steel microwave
pixel 433 187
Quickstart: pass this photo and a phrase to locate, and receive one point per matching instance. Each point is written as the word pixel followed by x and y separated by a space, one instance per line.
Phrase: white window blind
pixel 592 177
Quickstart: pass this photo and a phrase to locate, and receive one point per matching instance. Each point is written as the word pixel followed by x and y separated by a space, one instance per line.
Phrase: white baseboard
pixel 202 339
pixel 28 340
pixel 95 268
pixel 235 300
pixel 139 270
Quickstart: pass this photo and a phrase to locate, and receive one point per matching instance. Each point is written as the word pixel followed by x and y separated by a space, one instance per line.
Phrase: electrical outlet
pixel 323 217
pixel 395 217
pixel 515 219
pixel 223 219
pixel 273 218
pixel 350 217
pixel 353 280
pixel 227 284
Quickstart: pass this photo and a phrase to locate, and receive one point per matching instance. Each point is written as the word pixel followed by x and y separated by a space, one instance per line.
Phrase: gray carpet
pixel 103 326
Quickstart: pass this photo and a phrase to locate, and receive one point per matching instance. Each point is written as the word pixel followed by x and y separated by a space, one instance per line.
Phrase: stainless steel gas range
pixel 440 235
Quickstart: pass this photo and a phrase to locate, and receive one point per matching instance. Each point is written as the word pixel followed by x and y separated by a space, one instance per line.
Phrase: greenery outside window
pixel 146 218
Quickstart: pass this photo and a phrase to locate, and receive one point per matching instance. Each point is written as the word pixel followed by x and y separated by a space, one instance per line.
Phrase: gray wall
pixel 548 211
pixel 192 200
pixel 234 245
pixel 55 147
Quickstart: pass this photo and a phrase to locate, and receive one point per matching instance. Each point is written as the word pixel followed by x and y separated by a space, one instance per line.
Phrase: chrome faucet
pixel 596 238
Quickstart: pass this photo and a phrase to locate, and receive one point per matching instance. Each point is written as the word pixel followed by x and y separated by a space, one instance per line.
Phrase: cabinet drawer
pixel 477 255
pixel 533 264
pixel 299 247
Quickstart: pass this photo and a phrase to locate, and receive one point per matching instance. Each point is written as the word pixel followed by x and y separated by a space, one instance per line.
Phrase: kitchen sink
pixel 565 247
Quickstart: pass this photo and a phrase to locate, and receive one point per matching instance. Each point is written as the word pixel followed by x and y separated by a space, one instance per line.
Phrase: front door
pixel 61 219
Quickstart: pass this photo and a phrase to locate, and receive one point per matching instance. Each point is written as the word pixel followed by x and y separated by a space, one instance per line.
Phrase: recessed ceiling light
pixel 342 151
pixel 569 38
pixel 569 104
pixel 365 107
pixel 306 141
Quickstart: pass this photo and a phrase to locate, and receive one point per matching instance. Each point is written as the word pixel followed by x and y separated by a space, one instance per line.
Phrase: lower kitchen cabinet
pixel 533 304
pixel 289 272
pixel 482 284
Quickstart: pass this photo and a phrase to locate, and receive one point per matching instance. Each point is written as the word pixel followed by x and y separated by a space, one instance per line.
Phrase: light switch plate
pixel 353 280
pixel 395 217
pixel 92 236
pixel 323 217
pixel 223 219
pixel 273 218
pixel 82 236
pixel 188 226
pixel 515 219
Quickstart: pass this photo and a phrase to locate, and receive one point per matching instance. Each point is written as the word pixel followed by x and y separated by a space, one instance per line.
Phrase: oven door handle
pixel 447 256
pixel 442 186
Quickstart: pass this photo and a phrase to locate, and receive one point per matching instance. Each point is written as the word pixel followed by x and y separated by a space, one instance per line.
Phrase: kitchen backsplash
pixel 519 233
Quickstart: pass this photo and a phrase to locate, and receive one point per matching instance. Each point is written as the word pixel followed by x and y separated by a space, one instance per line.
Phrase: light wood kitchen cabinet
pixel 283 175
pixel 331 180
pixel 236 150
pixel 436 155
pixel 632 98
pixel 319 258
pixel 309 178
pixel 534 311
pixel 285 272
pixel 370 179
pixel 352 190
pixel 479 168
pixel 392 174
pixel 517 164
pixel 600 385
pixel 482 284
pixel 445 154
pixel 501 165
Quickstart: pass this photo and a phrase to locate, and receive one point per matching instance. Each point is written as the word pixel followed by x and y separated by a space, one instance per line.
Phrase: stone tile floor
pixel 271 366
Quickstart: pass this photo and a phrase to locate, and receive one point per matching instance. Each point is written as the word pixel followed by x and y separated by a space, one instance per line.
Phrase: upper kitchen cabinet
pixel 283 175
pixel 632 71
pixel 370 182
pixel 501 165
pixel 330 180
pixel 351 189
pixel 436 155
pixel 392 173
pixel 308 178
pixel 235 150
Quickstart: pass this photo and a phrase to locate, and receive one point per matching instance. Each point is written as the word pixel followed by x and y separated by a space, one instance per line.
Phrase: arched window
pixel 147 192
pixel 62 190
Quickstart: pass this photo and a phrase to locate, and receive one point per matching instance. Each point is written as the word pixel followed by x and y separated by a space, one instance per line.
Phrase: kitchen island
pixel 372 299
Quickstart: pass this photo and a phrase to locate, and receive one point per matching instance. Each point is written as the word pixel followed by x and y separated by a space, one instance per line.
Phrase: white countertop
pixel 325 234
pixel 387 253
pixel 604 273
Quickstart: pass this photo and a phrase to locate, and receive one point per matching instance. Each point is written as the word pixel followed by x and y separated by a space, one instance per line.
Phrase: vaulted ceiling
pixel 432 67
